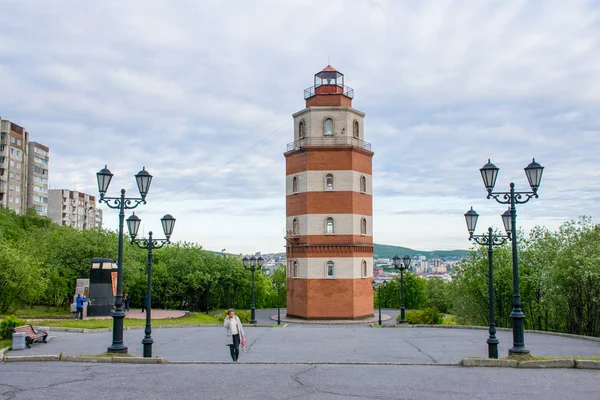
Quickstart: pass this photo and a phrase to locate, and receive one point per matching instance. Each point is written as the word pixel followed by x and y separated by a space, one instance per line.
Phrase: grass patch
pixel 5 343
pixel 449 320
pixel 196 319
pixel 42 312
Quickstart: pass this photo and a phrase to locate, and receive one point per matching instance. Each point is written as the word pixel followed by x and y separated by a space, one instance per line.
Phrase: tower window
pixel 301 130
pixel 295 228
pixel 328 182
pixel 330 269
pixel 295 185
pixel 364 268
pixel 328 127
pixel 355 129
pixel 363 226
pixel 363 184
pixel 329 226
pixel 295 269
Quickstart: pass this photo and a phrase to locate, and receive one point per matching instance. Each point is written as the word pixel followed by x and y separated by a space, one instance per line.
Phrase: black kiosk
pixel 103 287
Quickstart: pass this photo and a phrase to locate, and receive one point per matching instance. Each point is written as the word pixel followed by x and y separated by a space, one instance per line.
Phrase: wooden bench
pixel 30 334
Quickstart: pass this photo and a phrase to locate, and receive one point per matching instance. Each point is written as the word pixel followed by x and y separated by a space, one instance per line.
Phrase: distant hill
pixel 388 251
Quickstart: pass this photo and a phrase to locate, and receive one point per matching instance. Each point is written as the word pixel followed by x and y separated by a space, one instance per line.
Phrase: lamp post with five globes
pixel 143 180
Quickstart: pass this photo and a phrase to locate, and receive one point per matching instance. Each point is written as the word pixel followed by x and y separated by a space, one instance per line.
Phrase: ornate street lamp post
pixel 253 264
pixel 150 243
pixel 402 264
pixel 278 287
pixel 378 285
pixel 143 180
pixel 489 240
pixel 489 173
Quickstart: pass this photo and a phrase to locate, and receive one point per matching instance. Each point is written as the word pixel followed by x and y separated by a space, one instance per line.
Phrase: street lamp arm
pixel 509 198
pixel 116 202
pixel 484 240
pixel 145 243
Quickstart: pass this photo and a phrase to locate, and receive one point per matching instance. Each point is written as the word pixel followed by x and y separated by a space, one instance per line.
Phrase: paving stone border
pixel 504 363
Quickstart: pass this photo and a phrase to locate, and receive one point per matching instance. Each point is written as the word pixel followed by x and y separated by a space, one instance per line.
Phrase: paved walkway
pixel 317 343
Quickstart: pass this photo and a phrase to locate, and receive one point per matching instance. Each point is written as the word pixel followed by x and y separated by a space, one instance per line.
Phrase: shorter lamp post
pixel 150 243
pixel 278 286
pixel 489 240
pixel 402 264
pixel 378 285
pixel 253 264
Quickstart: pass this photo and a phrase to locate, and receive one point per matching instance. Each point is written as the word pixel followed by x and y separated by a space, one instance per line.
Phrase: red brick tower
pixel 329 206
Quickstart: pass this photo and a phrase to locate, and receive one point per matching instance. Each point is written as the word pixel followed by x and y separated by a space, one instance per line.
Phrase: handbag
pixel 244 348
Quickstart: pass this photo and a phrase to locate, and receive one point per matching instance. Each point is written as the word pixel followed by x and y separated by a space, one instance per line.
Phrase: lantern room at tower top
pixel 329 89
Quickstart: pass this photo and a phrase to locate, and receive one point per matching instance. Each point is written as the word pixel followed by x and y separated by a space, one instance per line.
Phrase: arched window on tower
pixel 363 226
pixel 330 269
pixel 295 228
pixel 301 130
pixel 328 127
pixel 295 185
pixel 329 226
pixel 363 184
pixel 364 268
pixel 295 269
pixel 328 182
pixel 355 129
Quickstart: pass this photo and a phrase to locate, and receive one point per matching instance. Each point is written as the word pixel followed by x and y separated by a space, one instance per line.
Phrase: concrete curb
pixel 488 362
pixel 547 364
pixel 3 352
pixel 587 364
pixel 49 357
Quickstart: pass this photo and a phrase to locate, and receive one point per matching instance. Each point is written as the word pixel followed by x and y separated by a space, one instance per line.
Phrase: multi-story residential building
pixel 13 166
pixel 37 177
pixel 72 208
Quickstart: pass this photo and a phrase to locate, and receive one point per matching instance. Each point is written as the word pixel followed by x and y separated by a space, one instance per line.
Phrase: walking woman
pixel 235 333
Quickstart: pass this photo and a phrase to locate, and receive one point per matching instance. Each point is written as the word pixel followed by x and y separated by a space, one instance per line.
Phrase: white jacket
pixel 228 324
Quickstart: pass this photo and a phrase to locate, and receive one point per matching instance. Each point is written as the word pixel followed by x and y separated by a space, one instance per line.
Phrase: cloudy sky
pixel 202 93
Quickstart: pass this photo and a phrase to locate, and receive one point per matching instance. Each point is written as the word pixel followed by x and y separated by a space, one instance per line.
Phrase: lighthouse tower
pixel 329 206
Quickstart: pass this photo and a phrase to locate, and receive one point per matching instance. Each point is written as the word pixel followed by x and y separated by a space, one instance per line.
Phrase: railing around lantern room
pixel 329 89
pixel 328 141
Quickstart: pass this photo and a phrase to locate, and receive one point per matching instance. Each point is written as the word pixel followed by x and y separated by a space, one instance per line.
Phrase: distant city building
pixel 72 208
pixel 23 170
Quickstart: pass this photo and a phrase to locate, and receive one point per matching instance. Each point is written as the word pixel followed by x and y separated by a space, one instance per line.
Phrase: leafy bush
pixel 7 325
pixel 244 316
pixel 428 316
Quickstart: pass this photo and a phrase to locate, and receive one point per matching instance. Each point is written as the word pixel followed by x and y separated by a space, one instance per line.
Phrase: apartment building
pixel 73 208
pixel 13 166
pixel 37 177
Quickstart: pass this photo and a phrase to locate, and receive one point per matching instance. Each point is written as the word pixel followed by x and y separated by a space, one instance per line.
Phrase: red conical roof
pixel 329 68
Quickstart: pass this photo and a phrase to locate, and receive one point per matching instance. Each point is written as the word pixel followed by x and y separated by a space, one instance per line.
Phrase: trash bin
pixel 18 341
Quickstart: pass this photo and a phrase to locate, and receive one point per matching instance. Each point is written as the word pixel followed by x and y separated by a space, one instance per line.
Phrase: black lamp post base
pixel 117 348
pixel 492 347
pixel 147 342
pixel 518 351
pixel 402 316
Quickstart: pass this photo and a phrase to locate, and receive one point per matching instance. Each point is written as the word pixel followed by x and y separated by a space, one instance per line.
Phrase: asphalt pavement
pixel 66 381
pixel 316 343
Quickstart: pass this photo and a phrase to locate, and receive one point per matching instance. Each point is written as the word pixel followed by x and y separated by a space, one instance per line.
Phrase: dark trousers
pixel 234 348
pixel 79 313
